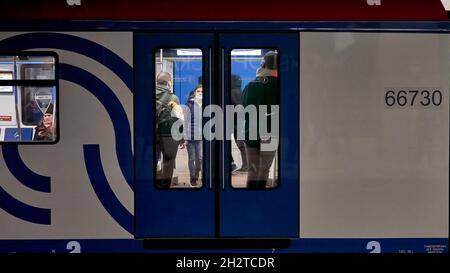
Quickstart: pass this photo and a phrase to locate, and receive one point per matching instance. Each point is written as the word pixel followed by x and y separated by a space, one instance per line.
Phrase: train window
pixel 178 118
pixel 34 101
pixel 28 98
pixel 254 92
pixel 37 68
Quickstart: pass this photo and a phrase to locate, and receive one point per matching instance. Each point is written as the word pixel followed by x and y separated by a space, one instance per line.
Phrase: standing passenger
pixel 166 145
pixel 261 91
pixel 193 133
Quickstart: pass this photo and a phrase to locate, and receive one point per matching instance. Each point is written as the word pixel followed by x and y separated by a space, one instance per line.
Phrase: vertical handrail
pixel 16 101
pixel 223 105
pixel 210 102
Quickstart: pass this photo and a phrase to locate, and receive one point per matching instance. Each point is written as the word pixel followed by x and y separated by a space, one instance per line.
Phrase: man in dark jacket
pixel 261 91
pixel 192 129
pixel 166 145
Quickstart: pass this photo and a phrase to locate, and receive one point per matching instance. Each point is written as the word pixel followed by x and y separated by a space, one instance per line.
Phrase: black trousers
pixel 241 146
pixel 259 166
pixel 168 148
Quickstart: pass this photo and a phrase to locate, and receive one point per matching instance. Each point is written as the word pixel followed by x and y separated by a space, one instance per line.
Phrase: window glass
pixel 178 119
pixel 36 101
pixel 28 110
pixel 254 145
pixel 36 68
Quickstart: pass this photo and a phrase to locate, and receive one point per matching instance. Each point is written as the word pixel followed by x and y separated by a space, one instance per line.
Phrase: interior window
pixel 28 98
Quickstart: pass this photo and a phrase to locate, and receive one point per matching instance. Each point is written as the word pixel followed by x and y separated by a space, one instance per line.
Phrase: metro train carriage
pixel 295 126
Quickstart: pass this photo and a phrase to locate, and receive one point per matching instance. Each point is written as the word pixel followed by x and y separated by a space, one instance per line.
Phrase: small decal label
pixel 435 248
pixel 5 118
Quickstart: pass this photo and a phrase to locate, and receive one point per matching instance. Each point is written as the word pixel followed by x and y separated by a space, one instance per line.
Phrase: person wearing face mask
pixel 192 129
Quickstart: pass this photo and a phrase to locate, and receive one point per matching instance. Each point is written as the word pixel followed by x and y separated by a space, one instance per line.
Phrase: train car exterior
pixel 361 157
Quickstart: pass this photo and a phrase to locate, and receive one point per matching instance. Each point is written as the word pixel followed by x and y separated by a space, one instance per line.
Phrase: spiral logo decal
pixel 91 152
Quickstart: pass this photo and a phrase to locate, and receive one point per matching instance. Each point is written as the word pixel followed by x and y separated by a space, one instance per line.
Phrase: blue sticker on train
pixel 11 134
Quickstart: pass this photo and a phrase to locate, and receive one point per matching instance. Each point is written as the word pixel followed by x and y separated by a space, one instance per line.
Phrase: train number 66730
pixel 413 98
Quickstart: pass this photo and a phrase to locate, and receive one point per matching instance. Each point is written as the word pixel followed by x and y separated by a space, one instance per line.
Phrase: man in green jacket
pixel 263 90
pixel 166 145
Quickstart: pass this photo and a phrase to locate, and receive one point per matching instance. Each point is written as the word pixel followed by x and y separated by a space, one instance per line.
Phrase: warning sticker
pixel 5 118
pixel 435 248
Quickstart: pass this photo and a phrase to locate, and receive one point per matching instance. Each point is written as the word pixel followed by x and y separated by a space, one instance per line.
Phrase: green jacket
pixel 261 91
pixel 164 120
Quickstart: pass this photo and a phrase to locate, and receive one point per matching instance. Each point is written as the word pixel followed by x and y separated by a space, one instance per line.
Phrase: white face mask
pixel 198 98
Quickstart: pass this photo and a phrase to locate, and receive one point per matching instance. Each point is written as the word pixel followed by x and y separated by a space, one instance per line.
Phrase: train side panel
pixel 374 160
pixel 89 171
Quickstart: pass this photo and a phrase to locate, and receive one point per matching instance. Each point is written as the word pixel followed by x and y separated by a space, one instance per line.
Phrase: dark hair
pixel 270 60
pixel 49 109
pixel 197 87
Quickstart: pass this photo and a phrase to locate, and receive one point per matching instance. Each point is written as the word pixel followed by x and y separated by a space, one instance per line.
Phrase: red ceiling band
pixel 211 10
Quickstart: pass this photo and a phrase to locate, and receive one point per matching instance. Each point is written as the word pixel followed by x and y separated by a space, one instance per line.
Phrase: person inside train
pixel 166 145
pixel 192 129
pixel 236 94
pixel 31 113
pixel 263 90
pixel 45 130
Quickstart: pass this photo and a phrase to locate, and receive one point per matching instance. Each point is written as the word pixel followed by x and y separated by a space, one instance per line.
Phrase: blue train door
pixel 216 135
pixel 168 68
pixel 259 198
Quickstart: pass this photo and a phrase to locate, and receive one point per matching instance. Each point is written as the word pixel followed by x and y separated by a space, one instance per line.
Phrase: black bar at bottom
pixel 216 243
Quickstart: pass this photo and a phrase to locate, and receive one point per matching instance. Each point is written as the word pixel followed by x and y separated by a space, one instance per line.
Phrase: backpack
pixel 163 111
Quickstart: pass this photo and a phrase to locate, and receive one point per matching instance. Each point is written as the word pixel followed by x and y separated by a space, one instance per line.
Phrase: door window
pixel 254 92
pixel 178 118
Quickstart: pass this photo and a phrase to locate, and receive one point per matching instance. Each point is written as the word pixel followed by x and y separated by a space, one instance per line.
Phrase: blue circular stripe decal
pixel 115 110
pixel 75 44
pixel 91 152
pixel 22 210
pixel 21 172
pixel 103 190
